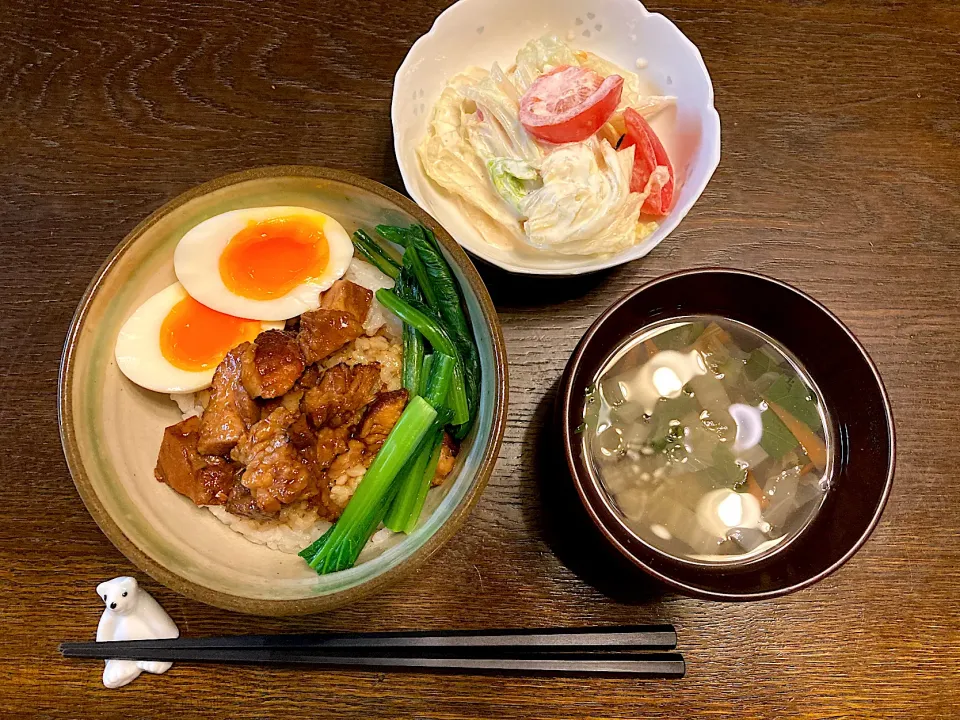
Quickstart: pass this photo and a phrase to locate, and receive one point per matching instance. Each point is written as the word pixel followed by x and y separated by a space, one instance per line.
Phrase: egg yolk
pixel 193 337
pixel 270 258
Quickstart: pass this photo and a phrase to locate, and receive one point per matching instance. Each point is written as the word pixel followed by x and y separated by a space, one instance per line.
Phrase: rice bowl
pixel 110 429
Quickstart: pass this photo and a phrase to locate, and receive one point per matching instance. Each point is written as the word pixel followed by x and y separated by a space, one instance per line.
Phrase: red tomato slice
pixel 569 104
pixel 648 155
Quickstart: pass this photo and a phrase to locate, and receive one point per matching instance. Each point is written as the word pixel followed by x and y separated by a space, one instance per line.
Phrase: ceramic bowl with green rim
pixel 111 429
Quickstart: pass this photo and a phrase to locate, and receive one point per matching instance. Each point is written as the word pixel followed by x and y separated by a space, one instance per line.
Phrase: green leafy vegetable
pixel 679 338
pixel 662 434
pixel 445 300
pixel 725 470
pixel 406 508
pixel 667 439
pixel 449 307
pixel 425 373
pixel 375 255
pixel 413 347
pixel 441 377
pixel 310 552
pixel 759 363
pixel 797 399
pixel 777 440
pixel 423 319
pixel 411 257
pixel 509 178
pixel 401 514
pixel 396 235
pixel 377 489
pixel 383 249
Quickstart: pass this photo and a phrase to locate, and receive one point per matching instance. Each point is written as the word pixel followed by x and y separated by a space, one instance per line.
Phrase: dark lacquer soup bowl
pixel 858 419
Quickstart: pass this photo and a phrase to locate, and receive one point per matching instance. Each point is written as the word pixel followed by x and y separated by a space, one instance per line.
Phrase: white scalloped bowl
pixel 480 32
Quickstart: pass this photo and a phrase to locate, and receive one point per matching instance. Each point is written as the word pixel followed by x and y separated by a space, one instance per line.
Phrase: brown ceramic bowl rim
pixel 333 600
pixel 570 438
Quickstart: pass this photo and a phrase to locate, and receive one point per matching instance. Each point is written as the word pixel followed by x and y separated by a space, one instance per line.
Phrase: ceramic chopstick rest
pixel 131 613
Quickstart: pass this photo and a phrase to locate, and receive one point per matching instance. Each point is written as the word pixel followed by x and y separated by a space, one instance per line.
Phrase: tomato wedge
pixel 569 104
pixel 649 153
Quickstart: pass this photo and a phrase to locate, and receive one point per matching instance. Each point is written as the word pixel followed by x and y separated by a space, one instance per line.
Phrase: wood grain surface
pixel 840 174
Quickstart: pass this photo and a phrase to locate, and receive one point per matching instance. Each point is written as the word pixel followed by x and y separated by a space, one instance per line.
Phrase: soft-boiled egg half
pixel 266 263
pixel 173 344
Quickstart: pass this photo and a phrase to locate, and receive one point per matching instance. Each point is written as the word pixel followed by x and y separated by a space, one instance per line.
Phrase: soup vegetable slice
pixel 569 104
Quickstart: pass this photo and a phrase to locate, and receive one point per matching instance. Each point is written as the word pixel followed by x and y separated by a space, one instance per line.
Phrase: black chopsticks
pixel 619 651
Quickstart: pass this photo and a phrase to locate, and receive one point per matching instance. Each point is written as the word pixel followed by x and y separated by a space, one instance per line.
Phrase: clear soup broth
pixel 709 439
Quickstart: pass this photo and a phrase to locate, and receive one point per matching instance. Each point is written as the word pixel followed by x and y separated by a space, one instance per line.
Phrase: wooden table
pixel 840 174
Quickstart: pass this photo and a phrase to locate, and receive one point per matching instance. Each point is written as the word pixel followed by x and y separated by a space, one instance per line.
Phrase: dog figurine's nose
pixel 113 606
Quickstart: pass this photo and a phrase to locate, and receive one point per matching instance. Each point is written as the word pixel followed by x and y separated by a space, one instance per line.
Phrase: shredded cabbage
pixel 509 178
pixel 585 205
pixel 538 56
pixel 571 199
pixel 453 162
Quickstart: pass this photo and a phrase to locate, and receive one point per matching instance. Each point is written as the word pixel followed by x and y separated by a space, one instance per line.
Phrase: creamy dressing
pixel 570 199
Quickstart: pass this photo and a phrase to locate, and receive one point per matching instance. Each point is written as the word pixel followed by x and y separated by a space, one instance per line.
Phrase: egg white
pixel 197 263
pixel 138 352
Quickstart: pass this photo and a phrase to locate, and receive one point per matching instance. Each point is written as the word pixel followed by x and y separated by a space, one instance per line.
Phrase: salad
pixel 554 153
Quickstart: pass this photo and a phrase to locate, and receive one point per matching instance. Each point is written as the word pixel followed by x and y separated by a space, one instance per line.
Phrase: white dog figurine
pixel 131 614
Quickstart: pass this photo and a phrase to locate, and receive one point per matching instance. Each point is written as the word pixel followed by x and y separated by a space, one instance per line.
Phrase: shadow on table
pixel 564 524
pixel 510 290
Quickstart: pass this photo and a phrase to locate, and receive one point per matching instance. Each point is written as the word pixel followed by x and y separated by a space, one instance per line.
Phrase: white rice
pixel 297 526
pixel 191 404
pixel 378 349
pixel 366 275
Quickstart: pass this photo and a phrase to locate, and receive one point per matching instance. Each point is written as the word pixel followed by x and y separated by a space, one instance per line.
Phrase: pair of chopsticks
pixel 632 651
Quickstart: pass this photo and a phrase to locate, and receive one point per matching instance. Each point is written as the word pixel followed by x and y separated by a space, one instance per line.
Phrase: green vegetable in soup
pixel 759 362
pixel 776 440
pixel 725 470
pixel 679 338
pixel 797 399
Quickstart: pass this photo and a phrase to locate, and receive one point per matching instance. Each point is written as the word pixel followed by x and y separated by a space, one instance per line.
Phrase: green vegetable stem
pixel 418 475
pixel 369 503
pixel 375 255
pixel 413 347
pixel 420 317
pixel 445 300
